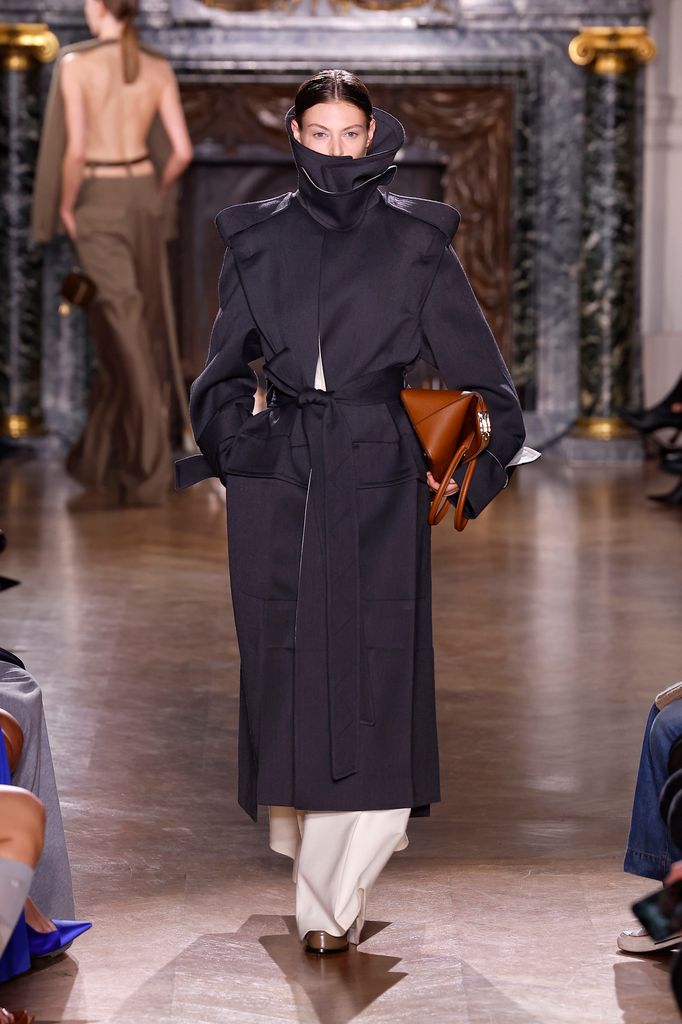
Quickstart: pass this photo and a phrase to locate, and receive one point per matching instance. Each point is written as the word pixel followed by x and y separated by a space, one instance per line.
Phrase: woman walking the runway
pixel 340 286
pixel 113 106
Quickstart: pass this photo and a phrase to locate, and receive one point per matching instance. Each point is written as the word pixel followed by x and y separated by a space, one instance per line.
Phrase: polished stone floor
pixel 557 620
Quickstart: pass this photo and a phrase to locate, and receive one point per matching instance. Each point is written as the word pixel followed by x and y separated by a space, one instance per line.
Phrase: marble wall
pixel 525 40
pixel 662 207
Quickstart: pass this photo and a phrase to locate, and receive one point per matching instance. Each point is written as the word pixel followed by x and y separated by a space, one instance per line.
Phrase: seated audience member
pixel 650 849
pixel 22 833
pixel 36 934
pixel 22 830
pixel 21 696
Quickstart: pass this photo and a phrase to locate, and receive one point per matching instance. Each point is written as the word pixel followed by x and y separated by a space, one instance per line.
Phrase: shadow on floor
pixel 337 987
pixel 44 990
pixel 643 990
pixel 246 985
pixel 485 1002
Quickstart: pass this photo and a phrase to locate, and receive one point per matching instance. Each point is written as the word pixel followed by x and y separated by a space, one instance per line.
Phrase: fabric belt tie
pixel 332 497
pixel 117 163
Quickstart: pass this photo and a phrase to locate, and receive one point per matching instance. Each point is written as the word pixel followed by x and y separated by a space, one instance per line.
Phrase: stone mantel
pixel 490 16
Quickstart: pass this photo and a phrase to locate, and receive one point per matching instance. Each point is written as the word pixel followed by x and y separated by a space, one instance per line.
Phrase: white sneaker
pixel 638 940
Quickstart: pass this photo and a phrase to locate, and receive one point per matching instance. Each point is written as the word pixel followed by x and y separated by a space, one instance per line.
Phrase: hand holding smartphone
pixel 661 913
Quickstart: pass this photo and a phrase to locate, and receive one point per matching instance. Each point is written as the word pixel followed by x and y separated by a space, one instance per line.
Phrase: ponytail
pixel 125 11
pixel 130 51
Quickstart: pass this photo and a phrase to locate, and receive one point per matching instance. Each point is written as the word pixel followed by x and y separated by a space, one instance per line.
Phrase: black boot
pixel 671 460
pixel 672 498
pixel 659 416
pixel 675 756
pixel 671 790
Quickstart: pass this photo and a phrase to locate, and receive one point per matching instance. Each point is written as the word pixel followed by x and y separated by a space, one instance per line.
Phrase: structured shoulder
pixel 439 215
pixel 235 219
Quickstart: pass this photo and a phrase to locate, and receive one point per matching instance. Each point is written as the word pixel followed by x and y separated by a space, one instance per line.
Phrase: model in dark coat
pixel 329 546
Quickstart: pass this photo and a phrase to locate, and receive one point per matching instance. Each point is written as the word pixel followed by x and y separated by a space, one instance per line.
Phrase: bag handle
pixel 439 501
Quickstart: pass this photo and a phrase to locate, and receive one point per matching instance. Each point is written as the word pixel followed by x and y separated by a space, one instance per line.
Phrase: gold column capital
pixel 20 43
pixel 15 425
pixel 612 49
pixel 602 428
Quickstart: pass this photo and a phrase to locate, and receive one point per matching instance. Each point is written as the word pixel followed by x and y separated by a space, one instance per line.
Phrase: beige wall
pixel 662 263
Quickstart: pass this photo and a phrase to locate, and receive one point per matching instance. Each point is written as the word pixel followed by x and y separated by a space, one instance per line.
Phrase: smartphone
pixel 661 913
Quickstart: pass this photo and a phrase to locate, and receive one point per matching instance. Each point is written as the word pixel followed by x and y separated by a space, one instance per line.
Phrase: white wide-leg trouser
pixel 338 856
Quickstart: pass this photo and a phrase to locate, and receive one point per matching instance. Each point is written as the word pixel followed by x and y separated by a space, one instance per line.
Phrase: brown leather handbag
pixel 453 428
pixel 77 289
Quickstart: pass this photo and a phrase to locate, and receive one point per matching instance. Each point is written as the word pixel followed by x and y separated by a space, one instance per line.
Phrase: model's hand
pixel 675 873
pixel 69 222
pixel 452 487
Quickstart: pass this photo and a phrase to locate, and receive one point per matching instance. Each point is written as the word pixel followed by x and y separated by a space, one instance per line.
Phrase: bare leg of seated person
pixel 22 834
pixel 36 919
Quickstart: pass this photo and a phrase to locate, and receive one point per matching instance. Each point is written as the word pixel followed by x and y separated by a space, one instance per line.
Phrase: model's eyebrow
pixel 314 124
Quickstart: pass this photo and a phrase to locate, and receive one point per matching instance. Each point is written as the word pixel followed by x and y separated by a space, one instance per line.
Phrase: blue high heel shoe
pixel 53 943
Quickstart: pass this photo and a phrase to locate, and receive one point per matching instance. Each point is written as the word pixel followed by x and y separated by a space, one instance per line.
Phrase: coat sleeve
pixel 457 340
pixel 221 398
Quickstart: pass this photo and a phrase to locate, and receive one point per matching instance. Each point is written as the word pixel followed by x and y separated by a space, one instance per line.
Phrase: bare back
pixel 118 115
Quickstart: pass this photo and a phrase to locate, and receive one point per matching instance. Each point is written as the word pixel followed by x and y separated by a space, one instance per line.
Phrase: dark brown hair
pixel 125 11
pixel 331 86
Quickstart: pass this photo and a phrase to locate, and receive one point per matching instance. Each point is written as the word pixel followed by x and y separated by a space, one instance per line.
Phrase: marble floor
pixel 557 620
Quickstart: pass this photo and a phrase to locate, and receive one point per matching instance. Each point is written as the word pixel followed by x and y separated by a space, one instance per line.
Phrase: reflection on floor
pixel 557 619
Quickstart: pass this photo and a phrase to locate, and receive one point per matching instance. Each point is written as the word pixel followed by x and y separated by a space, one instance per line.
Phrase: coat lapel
pixel 284 290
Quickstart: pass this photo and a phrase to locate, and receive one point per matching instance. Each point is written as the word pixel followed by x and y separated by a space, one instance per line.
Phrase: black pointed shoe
pixel 671 461
pixel 658 416
pixel 672 498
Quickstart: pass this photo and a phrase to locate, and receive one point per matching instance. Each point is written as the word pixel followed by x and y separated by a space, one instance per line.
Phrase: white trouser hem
pixel 338 857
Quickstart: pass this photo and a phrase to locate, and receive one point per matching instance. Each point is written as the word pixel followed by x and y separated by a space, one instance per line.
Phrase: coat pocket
pixel 261 448
pixel 388 630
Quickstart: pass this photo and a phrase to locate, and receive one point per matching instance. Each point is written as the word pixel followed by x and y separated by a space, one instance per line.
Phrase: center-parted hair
pixel 125 11
pixel 329 87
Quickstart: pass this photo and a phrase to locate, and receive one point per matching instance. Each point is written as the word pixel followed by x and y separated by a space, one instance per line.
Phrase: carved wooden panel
pixel 309 12
pixel 433 10
pixel 460 151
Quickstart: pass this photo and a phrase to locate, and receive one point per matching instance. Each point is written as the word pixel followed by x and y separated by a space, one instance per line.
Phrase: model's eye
pixel 352 135
pixel 319 135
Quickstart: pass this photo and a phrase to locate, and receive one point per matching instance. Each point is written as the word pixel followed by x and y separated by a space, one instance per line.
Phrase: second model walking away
pixel 341 286
pixel 115 129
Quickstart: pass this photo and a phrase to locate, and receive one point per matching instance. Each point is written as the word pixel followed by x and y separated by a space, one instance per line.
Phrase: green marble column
pixel 609 260
pixel 22 48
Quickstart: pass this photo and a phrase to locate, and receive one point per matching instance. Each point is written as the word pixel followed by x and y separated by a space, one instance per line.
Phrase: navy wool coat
pixel 329 546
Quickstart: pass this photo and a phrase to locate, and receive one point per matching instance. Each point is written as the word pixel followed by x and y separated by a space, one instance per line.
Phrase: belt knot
pixel 311 396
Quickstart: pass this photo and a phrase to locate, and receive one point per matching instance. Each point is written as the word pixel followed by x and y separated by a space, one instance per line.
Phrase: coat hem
pixel 421 810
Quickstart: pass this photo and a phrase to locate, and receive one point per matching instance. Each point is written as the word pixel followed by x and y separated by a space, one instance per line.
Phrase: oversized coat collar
pixel 45 220
pixel 336 191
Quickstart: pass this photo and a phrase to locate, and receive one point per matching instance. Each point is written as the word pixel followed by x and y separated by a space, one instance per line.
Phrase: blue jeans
pixel 650 851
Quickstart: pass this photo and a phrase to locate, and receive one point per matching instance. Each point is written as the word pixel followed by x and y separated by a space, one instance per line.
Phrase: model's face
pixel 336 128
pixel 94 11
